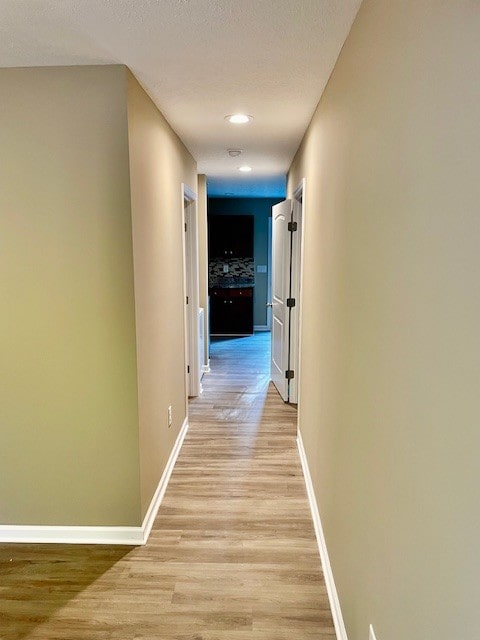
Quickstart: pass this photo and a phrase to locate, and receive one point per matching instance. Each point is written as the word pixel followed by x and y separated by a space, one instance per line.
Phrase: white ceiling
pixel 200 60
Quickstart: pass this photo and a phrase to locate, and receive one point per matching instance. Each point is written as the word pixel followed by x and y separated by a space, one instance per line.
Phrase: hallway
pixel 232 554
pixel 256 530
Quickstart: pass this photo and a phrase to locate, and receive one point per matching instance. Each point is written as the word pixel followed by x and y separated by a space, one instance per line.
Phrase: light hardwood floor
pixel 232 555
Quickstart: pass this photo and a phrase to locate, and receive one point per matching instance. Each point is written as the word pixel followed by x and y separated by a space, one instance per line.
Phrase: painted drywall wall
pixel 261 209
pixel 203 259
pixel 159 163
pixel 68 392
pixel 389 409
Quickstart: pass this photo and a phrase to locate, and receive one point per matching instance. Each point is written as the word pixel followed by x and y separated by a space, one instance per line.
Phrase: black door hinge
pixel 188 368
pixel 187 299
pixel 185 227
pixel 290 302
pixel 292 226
pixel 289 375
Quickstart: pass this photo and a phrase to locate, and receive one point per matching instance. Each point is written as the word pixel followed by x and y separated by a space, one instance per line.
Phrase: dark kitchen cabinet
pixel 231 311
pixel 230 236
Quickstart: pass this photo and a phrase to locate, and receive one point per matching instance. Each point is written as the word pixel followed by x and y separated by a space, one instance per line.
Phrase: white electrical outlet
pixel 170 415
pixel 225 268
pixel 371 635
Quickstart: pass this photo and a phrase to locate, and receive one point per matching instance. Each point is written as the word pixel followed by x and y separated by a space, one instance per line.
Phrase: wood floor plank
pixel 232 554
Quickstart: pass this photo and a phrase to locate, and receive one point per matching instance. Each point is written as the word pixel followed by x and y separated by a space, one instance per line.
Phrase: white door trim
pixel 191 291
pixel 269 276
pixel 298 201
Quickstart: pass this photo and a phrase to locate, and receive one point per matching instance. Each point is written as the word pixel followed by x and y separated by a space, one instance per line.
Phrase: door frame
pixel 191 291
pixel 269 272
pixel 298 201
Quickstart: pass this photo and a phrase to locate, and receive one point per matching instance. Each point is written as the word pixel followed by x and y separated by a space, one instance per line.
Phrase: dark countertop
pixel 225 284
pixel 232 286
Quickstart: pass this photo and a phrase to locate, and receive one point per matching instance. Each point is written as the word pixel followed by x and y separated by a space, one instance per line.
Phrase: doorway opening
pixel 281 351
pixel 239 271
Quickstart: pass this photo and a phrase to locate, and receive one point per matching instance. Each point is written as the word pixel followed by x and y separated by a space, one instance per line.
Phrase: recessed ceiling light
pixel 233 153
pixel 238 118
pixel 245 169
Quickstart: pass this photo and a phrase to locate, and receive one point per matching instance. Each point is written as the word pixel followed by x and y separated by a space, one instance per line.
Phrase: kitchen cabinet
pixel 231 311
pixel 230 236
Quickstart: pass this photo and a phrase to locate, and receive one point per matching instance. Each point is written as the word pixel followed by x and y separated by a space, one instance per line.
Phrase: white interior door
pixel 281 282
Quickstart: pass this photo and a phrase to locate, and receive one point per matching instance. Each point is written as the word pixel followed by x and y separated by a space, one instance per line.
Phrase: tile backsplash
pixel 238 269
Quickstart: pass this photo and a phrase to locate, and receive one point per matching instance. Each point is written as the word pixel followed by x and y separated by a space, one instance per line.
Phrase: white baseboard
pixel 162 485
pixel 98 535
pixel 261 327
pixel 59 534
pixel 322 547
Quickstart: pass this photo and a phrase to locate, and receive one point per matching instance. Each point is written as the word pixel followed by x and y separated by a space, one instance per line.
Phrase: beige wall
pixel 91 314
pixel 203 259
pixel 159 163
pixel 68 400
pixel 389 409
